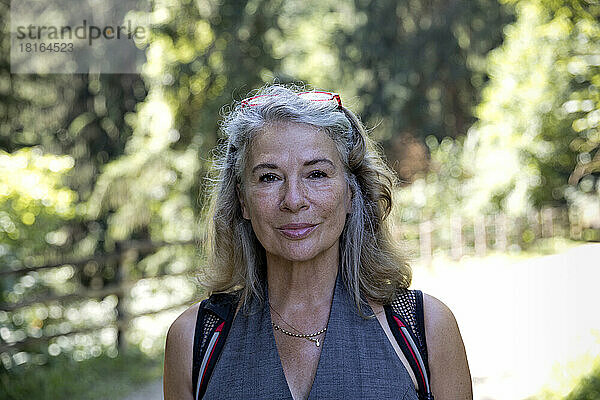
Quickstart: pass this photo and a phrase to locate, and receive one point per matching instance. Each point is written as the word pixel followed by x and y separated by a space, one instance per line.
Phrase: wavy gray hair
pixel 371 265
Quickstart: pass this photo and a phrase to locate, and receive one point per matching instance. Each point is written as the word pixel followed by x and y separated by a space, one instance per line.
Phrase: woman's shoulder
pixel 437 313
pixel 178 355
pixel 441 328
pixel 184 325
pixel 447 357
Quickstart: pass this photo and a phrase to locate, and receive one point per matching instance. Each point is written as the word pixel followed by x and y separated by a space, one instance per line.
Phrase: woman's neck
pixel 302 288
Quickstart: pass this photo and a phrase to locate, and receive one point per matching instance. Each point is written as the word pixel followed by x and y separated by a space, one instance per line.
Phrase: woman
pixel 298 224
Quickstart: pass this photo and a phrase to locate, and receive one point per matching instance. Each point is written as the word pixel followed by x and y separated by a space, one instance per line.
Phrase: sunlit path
pixel 524 321
pixel 153 391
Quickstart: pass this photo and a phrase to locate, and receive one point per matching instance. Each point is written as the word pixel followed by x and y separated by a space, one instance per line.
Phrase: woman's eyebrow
pixel 319 160
pixel 306 163
pixel 265 166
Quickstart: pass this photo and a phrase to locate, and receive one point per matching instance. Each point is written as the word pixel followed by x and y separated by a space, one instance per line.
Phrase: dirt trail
pixel 151 392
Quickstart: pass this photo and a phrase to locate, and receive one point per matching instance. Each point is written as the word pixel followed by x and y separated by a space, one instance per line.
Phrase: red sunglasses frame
pixel 333 96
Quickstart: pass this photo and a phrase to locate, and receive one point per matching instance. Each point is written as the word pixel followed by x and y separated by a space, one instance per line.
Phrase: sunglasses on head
pixel 310 96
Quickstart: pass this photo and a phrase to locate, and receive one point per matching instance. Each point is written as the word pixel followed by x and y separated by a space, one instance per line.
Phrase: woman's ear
pixel 240 197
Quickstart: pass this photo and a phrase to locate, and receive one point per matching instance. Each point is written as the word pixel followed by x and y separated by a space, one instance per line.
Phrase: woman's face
pixel 295 192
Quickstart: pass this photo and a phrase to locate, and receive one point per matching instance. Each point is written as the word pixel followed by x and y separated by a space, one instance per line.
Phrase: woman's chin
pixel 296 253
pixel 297 256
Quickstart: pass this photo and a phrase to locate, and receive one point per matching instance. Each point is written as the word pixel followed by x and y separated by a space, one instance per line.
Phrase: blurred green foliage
pixel 580 380
pixel 33 199
pixel 98 378
pixel 587 388
pixel 442 191
pixel 34 206
pixel 418 68
pixel 537 135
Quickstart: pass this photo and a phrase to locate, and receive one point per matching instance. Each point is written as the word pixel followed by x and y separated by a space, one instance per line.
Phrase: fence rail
pixel 125 254
pixel 459 236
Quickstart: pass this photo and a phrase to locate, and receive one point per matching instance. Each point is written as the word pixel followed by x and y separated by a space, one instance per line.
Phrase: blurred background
pixel 488 111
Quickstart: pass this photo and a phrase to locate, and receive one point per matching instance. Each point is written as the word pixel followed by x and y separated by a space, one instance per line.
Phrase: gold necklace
pixel 310 336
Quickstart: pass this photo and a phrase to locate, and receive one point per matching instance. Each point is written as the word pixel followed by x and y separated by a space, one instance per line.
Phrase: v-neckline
pixel 323 342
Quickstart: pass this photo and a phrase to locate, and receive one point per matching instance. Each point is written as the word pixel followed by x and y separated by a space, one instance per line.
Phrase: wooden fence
pixel 126 253
pixel 458 236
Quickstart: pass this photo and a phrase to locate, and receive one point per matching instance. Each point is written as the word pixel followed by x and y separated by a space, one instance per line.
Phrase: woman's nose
pixel 293 196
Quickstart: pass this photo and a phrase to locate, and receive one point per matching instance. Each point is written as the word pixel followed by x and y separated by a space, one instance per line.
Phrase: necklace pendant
pixel 317 343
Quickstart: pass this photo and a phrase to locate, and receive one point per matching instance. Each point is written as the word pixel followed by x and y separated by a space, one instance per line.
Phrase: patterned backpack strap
pixel 406 320
pixel 214 320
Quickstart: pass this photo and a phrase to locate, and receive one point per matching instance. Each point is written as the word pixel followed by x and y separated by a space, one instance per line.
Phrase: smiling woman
pixel 310 294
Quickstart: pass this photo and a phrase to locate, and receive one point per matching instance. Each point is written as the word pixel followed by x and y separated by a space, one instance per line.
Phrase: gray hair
pixel 372 266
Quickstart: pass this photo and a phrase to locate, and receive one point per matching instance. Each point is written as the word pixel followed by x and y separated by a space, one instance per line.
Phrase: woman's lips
pixel 297 231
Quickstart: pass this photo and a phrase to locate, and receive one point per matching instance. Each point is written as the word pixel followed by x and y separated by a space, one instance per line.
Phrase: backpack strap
pixel 214 320
pixel 406 320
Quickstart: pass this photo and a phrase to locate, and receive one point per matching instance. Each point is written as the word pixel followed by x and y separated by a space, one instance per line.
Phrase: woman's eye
pixel 267 178
pixel 317 174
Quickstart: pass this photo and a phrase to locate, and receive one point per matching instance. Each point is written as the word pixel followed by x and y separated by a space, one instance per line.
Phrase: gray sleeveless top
pixel 357 360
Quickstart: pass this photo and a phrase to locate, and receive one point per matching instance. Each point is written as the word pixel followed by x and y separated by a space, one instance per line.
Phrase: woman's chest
pixel 354 360
pixel 299 360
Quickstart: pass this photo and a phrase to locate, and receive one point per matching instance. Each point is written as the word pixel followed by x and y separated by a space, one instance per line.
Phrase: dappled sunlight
pixel 149 332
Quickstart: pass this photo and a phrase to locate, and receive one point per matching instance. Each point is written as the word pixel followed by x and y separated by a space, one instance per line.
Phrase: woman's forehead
pixel 289 129
pixel 292 140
